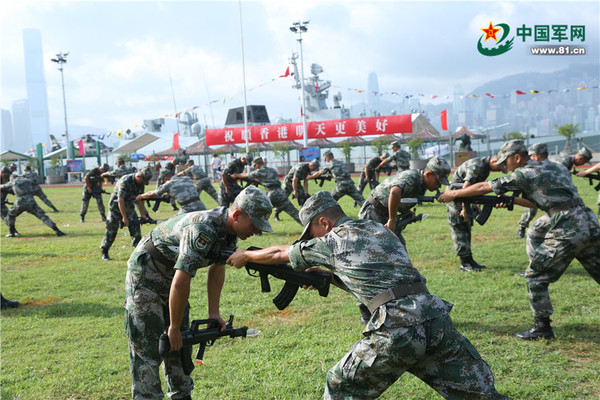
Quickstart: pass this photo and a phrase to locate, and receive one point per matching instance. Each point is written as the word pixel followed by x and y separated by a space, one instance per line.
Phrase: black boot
pixel 55 209
pixel 541 329
pixel 468 265
pixel 105 256
pixel 103 218
pixel 9 303
pixel 82 219
pixel 475 263
pixel 12 232
pixel 276 216
pixel 521 233
pixel 59 232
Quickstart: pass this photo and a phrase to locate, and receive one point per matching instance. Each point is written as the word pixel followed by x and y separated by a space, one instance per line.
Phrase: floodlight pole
pixel 60 60
pixel 299 27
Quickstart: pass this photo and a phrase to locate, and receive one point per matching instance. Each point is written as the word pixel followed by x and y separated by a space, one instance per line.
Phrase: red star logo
pixel 490 32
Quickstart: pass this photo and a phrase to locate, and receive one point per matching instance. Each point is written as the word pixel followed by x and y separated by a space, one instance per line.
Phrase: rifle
pixel 592 177
pixel 139 222
pixel 204 337
pixel 388 169
pixel 7 202
pixel 293 279
pixel 373 183
pixel 157 200
pixel 249 181
pixel 421 199
pixel 488 203
pixel 404 219
pixel 321 180
pixel 96 191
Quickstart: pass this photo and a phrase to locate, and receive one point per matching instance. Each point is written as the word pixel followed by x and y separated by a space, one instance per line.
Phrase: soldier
pixel 369 174
pixel 121 209
pixel 23 189
pixel 92 187
pixel 35 186
pixel 344 185
pixel 300 172
pixel 460 220
pixel 409 330
pixel 269 178
pixel 170 168
pixel 197 173
pixel 574 232
pixel 5 178
pixel 182 189
pixel 157 285
pixel 537 152
pixel 383 204
pixel 400 157
pixel 583 156
pixel 229 188
pixel 584 173
pixel 118 172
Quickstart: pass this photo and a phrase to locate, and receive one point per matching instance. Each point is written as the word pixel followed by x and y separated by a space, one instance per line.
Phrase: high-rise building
pixel 6 142
pixel 373 94
pixel 36 87
pixel 21 126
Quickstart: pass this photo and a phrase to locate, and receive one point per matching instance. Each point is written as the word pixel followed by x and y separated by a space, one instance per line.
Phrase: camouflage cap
pixel 259 160
pixel 440 168
pixel 316 163
pixel 257 205
pixel 396 143
pixel 248 158
pixel 328 153
pixel 538 149
pixel 510 148
pixel 585 153
pixel 105 167
pixel 120 160
pixel 6 170
pixel 28 168
pixel 146 174
pixel 315 205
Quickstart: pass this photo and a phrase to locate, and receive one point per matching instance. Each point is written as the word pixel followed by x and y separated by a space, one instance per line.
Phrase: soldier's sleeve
pixel 254 174
pixel 162 189
pixel 312 253
pixel 196 242
pixel 121 188
pixel 513 182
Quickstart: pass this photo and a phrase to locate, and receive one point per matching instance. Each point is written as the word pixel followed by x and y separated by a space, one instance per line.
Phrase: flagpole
pixel 174 105
pixel 244 79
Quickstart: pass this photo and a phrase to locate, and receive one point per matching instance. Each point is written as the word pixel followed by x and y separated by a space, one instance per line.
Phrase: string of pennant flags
pixel 287 74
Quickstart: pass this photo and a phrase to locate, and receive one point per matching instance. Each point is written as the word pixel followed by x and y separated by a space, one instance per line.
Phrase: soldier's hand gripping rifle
pixel 293 279
pixel 325 176
pixel 488 203
pixel 98 192
pixel 157 200
pixel 205 337
pixel 406 218
pixel 593 176
pixel 140 221
pixel 249 181
pixel 420 199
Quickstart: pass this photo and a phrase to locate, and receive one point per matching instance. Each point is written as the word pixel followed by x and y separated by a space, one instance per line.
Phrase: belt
pixel 396 293
pixel 183 203
pixel 379 208
pixel 567 205
pixel 155 254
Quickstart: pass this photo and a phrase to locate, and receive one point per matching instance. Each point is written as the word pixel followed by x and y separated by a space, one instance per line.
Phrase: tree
pixel 281 150
pixel 380 145
pixel 346 148
pixel 569 131
pixel 414 145
pixel 513 136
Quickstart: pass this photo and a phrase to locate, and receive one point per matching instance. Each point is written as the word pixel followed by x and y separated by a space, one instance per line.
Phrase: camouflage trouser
pixel 113 222
pixel 570 234
pixel 460 230
pixel 347 188
pixel 4 211
pixel 27 203
pixel 289 189
pixel 146 305
pixel 527 216
pixel 433 351
pixel 204 184
pixel 234 188
pixel 40 193
pixel 536 234
pixel 281 203
pixel 368 211
pixel 85 202
pixel 362 181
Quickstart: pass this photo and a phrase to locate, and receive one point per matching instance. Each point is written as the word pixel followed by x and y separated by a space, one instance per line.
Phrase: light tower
pixel 298 27
pixel 60 60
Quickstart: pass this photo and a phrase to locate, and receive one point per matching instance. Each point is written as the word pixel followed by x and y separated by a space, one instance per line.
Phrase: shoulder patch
pixel 202 241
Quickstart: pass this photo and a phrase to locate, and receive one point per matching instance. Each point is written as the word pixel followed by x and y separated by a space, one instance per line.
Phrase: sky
pixel 130 61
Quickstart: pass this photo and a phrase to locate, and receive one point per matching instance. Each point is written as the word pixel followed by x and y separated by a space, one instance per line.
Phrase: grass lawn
pixel 67 340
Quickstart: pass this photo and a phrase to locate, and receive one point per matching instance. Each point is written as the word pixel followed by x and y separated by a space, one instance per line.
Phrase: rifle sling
pixel 155 254
pixel 396 293
pixel 567 205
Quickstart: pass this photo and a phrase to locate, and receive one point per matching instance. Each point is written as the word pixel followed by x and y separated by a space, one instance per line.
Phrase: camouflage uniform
pixel 269 178
pixel 5 192
pixel 473 171
pixel 343 183
pixel 119 172
pixel 168 169
pixel 401 158
pixel 376 206
pixel 573 230
pixel 197 173
pixel 23 189
pixel 363 180
pixel 301 171
pixel 182 189
pixel 411 332
pixel 37 190
pixel 95 180
pixel 235 166
pixel 127 188
pixel 185 242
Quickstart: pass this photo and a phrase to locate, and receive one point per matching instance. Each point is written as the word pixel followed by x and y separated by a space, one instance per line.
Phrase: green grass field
pixel 67 340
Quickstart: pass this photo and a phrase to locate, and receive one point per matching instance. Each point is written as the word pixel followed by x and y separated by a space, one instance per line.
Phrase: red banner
pixel 338 128
pixel 444 118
